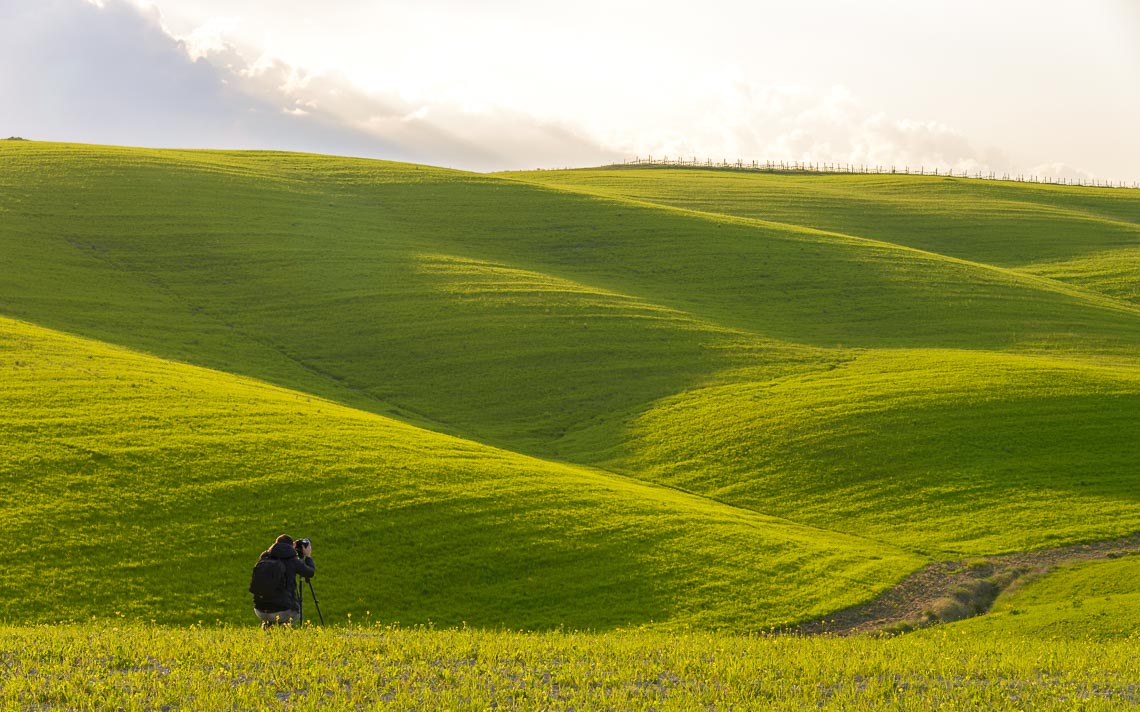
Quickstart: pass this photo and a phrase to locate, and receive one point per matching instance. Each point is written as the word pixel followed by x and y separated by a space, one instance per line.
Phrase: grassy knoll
pixel 1082 237
pixel 591 398
pixel 111 665
pixel 1092 599
pixel 1005 224
pixel 1077 236
pixel 146 488
pixel 344 278
pixel 1113 272
pixel 946 452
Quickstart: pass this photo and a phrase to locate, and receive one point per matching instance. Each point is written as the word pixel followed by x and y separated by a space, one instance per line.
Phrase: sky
pixel 1033 87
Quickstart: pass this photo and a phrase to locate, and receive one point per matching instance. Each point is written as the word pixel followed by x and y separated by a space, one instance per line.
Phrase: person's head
pixel 284 539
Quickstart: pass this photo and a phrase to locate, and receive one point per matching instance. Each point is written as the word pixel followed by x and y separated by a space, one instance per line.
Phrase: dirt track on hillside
pixel 951 590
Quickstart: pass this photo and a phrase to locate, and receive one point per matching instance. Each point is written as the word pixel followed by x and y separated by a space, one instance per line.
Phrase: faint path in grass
pixel 952 590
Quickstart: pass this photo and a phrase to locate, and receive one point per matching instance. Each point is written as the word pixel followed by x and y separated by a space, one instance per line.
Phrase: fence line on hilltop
pixel 863 169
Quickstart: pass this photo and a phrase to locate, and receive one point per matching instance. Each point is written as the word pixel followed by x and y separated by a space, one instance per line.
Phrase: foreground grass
pixel 108 665
pixel 1066 641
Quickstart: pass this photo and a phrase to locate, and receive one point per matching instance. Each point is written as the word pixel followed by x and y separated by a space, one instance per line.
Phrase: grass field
pixel 134 666
pixel 593 399
pixel 1065 641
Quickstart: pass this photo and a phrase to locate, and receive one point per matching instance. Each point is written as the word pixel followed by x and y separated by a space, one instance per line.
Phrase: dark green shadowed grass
pixel 997 223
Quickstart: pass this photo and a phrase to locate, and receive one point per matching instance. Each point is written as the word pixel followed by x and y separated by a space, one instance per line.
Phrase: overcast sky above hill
pixel 1033 86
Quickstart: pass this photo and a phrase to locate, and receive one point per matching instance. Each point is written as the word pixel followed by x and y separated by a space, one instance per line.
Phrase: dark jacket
pixel 285 600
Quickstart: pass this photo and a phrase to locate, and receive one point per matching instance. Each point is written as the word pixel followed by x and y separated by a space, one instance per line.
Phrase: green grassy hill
pixel 1091 600
pixel 591 398
pixel 146 488
pixel 936 451
pixel 1028 227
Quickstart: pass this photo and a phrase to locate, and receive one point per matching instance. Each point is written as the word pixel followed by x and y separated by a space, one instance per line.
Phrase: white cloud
pixel 114 65
pixel 742 120
pixel 109 71
pixel 880 140
pixel 210 38
pixel 111 74
pixel 1060 170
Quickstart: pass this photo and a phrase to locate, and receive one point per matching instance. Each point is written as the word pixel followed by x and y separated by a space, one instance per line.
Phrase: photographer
pixel 274 580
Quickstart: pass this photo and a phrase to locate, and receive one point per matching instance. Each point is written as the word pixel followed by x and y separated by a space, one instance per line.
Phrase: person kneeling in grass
pixel 274 580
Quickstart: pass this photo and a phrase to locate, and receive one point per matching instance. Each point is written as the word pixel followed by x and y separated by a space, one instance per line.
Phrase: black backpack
pixel 268 578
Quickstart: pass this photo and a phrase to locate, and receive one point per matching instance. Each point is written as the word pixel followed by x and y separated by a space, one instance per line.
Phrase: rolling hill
pixel 143 488
pixel 588 398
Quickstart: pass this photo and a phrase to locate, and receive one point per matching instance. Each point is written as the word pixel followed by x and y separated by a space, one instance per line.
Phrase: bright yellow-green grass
pixel 1077 236
pixel 1088 600
pixel 1114 272
pixel 111 665
pixel 684 397
pixel 938 451
pixel 1066 641
pixel 146 488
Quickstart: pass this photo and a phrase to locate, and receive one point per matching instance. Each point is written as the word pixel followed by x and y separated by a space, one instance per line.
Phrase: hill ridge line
pixel 1089 297
pixel 155 281
pixel 683 314
pixel 385 408
pixel 1068 211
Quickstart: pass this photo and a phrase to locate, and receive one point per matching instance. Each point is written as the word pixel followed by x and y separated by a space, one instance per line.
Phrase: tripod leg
pixel 316 602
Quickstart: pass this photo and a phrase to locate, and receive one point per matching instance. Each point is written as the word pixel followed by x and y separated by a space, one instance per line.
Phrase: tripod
pixel 301 601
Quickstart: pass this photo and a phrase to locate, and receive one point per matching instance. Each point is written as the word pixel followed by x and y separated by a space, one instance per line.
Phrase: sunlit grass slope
pixel 139 487
pixel 111 665
pixel 1088 238
pixel 1115 272
pixel 396 288
pixel 1090 600
pixel 960 452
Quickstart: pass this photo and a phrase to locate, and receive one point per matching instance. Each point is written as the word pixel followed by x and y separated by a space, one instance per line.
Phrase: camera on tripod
pixel 300 545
